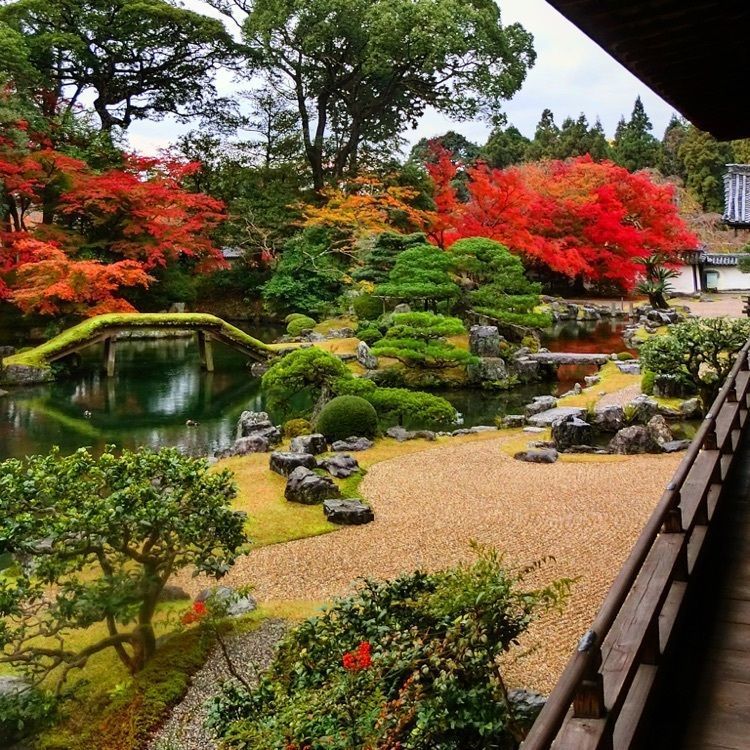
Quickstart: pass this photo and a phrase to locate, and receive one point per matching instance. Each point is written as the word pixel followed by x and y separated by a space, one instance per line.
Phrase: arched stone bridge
pixel 34 365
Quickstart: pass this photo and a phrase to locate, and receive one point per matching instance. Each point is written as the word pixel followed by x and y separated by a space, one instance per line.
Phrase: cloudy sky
pixel 572 75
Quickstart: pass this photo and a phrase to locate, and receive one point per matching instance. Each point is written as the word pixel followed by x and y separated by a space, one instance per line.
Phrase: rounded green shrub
pixel 293 316
pixel 370 335
pixel 295 427
pixel 625 356
pixel 345 416
pixel 648 379
pixel 296 326
pixel 367 307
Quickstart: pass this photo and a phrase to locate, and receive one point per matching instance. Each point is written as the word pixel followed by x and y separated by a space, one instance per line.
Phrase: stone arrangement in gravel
pixel 306 487
pixel 255 434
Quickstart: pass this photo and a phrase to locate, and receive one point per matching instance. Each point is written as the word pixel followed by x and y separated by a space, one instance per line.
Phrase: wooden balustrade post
pixel 205 351
pixel 109 356
pixel 588 702
pixel 710 442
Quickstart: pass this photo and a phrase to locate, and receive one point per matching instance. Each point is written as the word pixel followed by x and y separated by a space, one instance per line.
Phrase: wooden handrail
pixel 578 696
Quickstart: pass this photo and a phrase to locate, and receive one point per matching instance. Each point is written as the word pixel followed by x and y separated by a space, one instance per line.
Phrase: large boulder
pixel 258 423
pixel 549 417
pixel 399 433
pixel 539 404
pixel 537 456
pixel 659 430
pixel 691 409
pixel 340 466
pixel 352 443
pixel 513 420
pixel 402 307
pixel 285 462
pixel 244 445
pixel 609 418
pixel 632 440
pixel 365 357
pixel 347 512
pixel 484 341
pixel 570 431
pixel 314 443
pixel 488 370
pixel 306 487
pixel 642 408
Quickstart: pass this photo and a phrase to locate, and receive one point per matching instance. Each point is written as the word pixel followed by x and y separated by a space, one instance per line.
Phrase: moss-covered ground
pixel 611 381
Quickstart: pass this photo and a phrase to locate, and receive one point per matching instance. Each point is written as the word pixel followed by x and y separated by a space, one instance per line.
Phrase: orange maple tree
pixel 578 218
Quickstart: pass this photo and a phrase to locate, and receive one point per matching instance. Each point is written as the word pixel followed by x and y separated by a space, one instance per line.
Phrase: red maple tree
pixel 578 218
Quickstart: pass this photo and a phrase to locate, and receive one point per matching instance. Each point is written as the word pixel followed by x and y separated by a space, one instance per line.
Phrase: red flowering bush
pixel 195 614
pixel 359 659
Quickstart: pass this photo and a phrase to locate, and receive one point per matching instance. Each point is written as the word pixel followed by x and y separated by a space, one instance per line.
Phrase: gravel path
pixel 430 505
pixel 248 651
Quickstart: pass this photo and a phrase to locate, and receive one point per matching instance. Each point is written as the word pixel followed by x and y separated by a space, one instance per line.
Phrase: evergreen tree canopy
pixel 546 138
pixel 380 260
pixel 635 146
pixel 505 147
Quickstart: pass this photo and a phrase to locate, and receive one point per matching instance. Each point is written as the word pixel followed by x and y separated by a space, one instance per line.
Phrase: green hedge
pixel 345 416
pixel 297 325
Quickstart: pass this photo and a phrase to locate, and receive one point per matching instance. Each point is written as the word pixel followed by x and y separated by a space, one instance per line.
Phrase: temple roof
pixel 693 53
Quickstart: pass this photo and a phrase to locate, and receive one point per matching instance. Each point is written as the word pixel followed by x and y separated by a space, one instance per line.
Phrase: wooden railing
pixel 601 697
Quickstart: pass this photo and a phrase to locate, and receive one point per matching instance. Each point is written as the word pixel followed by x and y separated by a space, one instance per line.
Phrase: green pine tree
pixel 505 147
pixel 381 259
pixel 670 164
pixel 703 159
pixel 546 138
pixel 635 146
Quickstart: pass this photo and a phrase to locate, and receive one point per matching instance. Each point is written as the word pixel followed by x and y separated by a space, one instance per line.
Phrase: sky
pixel 572 74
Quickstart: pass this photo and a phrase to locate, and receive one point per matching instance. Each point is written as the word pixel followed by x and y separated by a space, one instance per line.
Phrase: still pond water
pixel 159 385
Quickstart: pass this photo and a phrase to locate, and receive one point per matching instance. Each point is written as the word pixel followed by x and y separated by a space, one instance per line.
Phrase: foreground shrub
pixel 102 535
pixel 24 712
pixel 408 663
pixel 299 324
pixel 697 354
pixel 345 416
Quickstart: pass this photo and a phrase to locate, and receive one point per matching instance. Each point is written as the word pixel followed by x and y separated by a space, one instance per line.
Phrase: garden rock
pixel 285 462
pixel 629 367
pixel 570 431
pixel 537 456
pixel 314 443
pixel 12 685
pixel 258 423
pixel 514 420
pixel 307 487
pixel 399 433
pixel 401 308
pixel 488 370
pixel 340 466
pixel 540 404
pixel 659 430
pixel 691 409
pixel 244 445
pixel 592 380
pixel 526 705
pixel 673 446
pixel 632 440
pixel 533 430
pixel 365 357
pixel 643 408
pixel 236 604
pixel 352 444
pixel 609 418
pixel 348 512
pixel 258 369
pixel 549 417
pixel 424 435
pixel 484 341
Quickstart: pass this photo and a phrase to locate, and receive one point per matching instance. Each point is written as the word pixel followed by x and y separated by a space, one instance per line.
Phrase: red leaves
pixel 195 614
pixel 359 659
pixel 49 282
pixel 578 218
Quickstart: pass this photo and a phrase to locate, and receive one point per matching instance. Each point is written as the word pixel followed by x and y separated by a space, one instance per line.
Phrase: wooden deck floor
pixel 704 701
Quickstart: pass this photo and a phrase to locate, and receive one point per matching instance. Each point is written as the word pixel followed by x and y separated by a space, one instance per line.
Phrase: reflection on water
pixel 600 336
pixel 159 385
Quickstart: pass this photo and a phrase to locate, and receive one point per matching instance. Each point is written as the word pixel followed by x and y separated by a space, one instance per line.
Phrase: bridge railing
pixel 601 697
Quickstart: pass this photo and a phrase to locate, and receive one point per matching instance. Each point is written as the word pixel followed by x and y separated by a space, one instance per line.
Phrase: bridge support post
pixel 205 351
pixel 109 356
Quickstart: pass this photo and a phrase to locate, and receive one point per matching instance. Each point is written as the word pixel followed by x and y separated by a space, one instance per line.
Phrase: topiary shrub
pixel 296 326
pixel 625 356
pixel 293 316
pixel 344 416
pixel 295 427
pixel 370 335
pixel 367 307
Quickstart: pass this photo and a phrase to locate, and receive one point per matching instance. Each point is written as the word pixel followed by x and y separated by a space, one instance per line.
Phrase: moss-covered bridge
pixel 34 364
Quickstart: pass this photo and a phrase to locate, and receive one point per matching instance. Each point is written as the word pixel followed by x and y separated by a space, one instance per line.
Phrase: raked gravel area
pixel 250 653
pixel 430 505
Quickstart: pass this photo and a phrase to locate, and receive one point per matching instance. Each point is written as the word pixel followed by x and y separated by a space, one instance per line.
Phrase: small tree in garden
pixel 380 260
pixel 95 540
pixel 656 281
pixel 421 276
pixel 419 339
pixel 698 353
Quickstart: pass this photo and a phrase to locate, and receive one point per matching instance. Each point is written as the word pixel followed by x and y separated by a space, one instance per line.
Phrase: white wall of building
pixel 728 279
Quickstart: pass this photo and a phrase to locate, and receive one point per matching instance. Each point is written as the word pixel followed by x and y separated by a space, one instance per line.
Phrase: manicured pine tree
pixel 381 259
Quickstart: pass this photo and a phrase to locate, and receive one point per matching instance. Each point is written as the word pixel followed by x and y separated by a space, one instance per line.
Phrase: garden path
pixel 430 505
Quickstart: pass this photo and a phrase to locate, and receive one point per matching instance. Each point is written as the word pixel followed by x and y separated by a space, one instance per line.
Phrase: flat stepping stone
pixel 353 444
pixel 285 462
pixel 537 456
pixel 546 418
pixel 348 512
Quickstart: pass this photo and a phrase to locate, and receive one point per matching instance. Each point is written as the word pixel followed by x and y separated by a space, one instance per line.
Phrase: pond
pixel 159 385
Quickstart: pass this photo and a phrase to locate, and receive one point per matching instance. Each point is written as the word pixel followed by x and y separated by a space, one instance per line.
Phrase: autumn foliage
pixel 577 218
pixel 74 238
